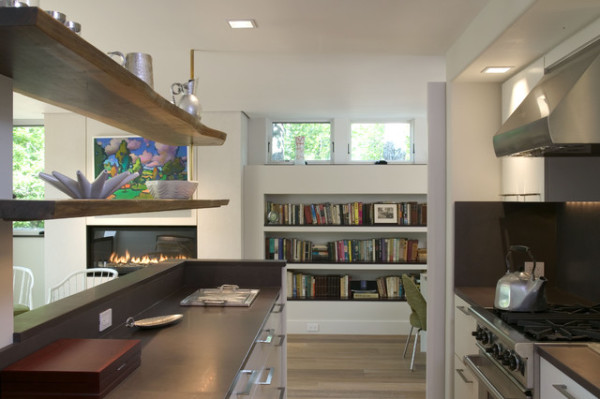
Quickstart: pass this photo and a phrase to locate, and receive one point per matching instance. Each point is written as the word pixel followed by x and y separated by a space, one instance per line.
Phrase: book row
pixel 311 286
pixel 350 214
pixel 372 250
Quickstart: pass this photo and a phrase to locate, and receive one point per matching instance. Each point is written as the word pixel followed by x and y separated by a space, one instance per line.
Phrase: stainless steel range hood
pixel 561 115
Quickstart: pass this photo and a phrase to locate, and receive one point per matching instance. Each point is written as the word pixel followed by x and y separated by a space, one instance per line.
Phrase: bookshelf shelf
pixel 380 267
pixel 345 229
pixel 346 299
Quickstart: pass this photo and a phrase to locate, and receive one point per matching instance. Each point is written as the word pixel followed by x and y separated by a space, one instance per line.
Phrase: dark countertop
pixel 576 360
pixel 198 357
pixel 580 362
pixel 477 296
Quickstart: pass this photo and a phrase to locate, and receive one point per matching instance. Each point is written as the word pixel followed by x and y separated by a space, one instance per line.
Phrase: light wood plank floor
pixel 353 366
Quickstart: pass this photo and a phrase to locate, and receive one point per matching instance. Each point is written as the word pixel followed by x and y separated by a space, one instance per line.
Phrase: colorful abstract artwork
pixel 152 160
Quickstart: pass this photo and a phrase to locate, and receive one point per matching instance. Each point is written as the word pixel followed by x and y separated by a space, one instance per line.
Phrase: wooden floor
pixel 353 366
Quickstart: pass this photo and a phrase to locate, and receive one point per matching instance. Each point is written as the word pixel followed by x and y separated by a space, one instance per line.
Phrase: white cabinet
pixel 337 184
pixel 554 384
pixel 465 384
pixel 263 375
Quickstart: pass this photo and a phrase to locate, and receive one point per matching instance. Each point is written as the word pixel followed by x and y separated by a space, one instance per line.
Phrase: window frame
pixel 410 121
pixel 330 161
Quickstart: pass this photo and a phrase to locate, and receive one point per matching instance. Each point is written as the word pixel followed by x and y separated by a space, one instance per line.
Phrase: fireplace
pixel 129 248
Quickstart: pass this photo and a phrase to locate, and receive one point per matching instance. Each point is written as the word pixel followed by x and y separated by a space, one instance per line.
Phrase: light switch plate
pixel 105 320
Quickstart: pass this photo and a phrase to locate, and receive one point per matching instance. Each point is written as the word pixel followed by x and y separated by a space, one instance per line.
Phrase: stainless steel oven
pixel 505 365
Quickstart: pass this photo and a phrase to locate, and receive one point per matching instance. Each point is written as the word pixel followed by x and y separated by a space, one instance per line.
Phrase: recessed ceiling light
pixel 501 69
pixel 241 23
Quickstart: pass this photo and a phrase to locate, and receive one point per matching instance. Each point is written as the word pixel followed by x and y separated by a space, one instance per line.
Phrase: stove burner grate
pixel 559 323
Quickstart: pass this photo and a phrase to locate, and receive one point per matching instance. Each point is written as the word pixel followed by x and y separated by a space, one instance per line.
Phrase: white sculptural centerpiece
pixel 101 188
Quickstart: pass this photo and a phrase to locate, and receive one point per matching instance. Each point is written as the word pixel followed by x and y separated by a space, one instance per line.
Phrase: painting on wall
pixel 152 160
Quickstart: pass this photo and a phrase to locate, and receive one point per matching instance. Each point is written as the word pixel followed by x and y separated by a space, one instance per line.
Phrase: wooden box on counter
pixel 72 368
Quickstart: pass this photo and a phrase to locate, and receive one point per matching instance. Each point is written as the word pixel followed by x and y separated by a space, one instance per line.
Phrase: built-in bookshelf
pixel 324 221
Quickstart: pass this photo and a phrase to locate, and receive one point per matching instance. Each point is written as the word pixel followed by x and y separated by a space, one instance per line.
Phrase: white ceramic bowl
pixel 172 189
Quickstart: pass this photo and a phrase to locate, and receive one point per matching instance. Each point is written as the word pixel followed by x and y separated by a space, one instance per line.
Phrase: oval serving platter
pixel 154 322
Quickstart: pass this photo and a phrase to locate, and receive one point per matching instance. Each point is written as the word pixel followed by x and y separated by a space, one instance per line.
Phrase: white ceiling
pixel 321 35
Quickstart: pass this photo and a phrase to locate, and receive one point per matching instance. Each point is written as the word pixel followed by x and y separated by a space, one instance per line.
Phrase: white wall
pixel 64 240
pixel 436 240
pixel 473 174
pixel 219 171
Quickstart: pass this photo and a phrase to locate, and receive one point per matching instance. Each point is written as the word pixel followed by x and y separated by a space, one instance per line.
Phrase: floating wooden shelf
pixel 52 64
pixel 44 210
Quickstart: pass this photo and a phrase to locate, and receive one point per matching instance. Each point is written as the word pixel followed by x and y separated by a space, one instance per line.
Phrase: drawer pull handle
pixel 280 305
pixel 281 392
pixel 563 390
pixel 249 384
pixel 461 373
pixel 462 309
pixel 270 333
pixel 269 378
pixel 281 340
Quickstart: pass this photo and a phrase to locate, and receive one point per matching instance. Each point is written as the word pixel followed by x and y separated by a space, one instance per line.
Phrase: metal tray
pixel 225 295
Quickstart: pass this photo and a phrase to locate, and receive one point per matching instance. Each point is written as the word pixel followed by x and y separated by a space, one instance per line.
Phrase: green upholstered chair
pixel 418 316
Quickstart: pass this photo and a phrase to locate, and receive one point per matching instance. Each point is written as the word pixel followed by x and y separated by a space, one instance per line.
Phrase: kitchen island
pixel 201 356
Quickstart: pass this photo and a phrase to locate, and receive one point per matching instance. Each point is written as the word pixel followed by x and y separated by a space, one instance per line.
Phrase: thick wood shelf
pixel 44 210
pixel 52 64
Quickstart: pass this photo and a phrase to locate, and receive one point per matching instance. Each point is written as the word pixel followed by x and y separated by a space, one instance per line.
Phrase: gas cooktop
pixel 558 323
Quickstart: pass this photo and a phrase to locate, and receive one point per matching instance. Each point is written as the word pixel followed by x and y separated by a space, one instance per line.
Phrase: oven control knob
pixel 486 338
pixel 497 351
pixel 514 362
pixel 505 358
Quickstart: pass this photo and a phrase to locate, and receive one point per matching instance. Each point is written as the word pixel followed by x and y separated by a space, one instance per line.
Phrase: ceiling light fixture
pixel 496 69
pixel 241 23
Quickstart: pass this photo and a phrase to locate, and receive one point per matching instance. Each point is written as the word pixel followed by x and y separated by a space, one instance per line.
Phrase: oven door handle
pixel 472 361
pixel 563 390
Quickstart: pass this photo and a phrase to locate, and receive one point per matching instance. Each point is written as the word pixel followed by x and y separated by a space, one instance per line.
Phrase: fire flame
pixel 141 260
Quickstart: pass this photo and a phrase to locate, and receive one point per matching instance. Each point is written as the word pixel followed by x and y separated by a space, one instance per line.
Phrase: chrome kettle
pixel 520 291
pixel 188 100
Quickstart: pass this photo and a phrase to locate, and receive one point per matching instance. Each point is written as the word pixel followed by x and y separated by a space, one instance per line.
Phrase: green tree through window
pixel 28 161
pixel 381 141
pixel 317 142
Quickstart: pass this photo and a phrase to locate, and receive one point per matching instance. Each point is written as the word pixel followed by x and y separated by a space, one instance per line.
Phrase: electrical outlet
pixel 312 327
pixel 105 319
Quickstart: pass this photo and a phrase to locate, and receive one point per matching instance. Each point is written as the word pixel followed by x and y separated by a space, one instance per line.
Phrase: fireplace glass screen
pixel 129 248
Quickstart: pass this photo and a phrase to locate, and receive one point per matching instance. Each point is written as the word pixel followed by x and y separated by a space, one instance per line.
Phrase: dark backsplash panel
pixel 579 249
pixel 485 230
pixel 564 235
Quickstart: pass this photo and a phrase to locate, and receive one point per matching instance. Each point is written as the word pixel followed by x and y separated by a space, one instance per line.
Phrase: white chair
pixel 81 280
pixel 22 288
